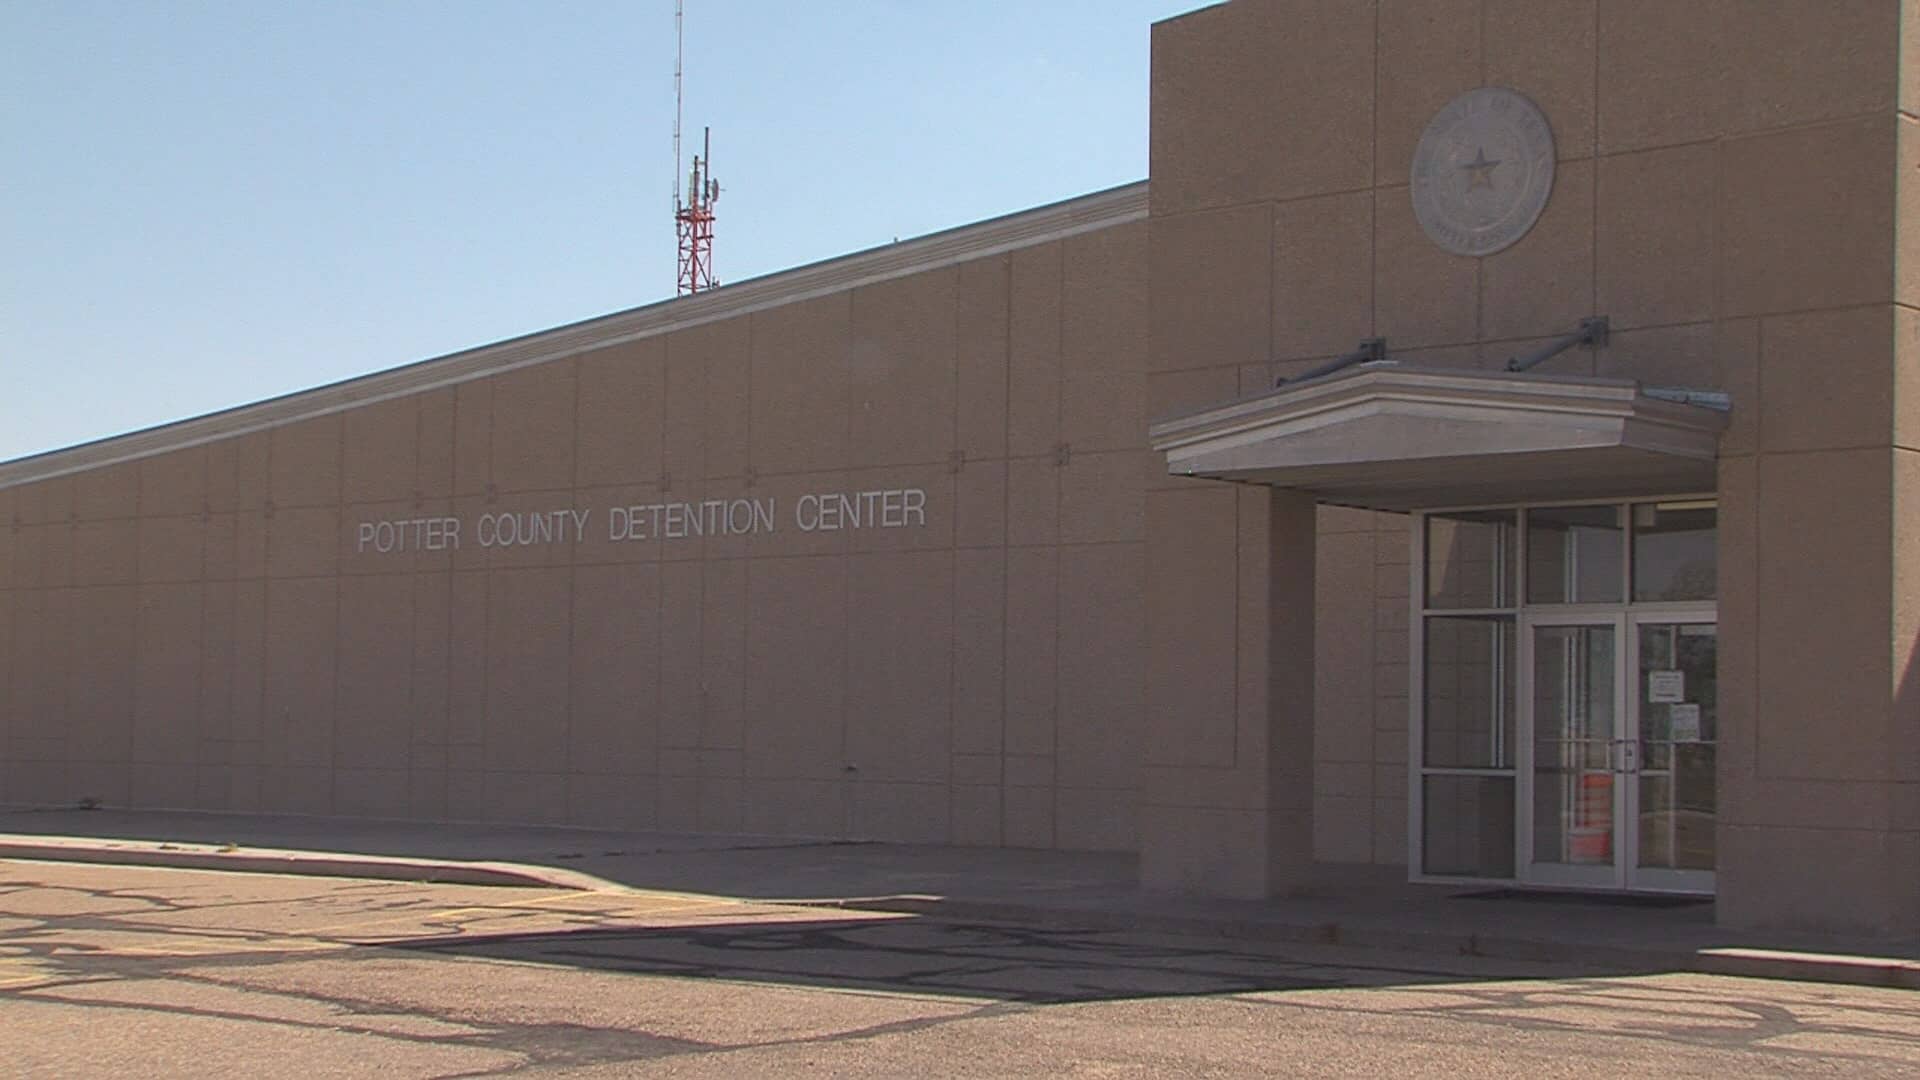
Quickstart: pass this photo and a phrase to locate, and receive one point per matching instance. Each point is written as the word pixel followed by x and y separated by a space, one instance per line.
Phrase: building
pixel 1005 535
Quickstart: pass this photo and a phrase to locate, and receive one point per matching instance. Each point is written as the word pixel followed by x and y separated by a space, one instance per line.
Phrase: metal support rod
pixel 1592 333
pixel 1372 350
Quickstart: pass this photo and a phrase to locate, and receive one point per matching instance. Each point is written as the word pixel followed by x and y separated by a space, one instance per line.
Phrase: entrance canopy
pixel 1388 437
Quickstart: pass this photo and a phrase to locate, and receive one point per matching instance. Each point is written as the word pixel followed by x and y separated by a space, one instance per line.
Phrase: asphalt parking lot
pixel 131 971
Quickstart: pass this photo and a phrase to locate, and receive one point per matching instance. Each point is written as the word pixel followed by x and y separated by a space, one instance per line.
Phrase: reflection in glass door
pixel 1620 789
pixel 1574 703
pixel 1674 804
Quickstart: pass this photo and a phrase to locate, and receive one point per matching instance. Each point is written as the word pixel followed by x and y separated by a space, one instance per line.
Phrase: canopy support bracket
pixel 1370 351
pixel 1592 333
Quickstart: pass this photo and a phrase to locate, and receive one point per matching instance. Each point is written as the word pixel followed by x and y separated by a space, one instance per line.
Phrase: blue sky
pixel 207 203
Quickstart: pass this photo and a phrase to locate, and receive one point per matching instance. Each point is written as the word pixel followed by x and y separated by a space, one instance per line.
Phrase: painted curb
pixel 310 863
pixel 1812 967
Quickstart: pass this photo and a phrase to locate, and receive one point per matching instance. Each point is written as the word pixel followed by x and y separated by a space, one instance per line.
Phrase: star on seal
pixel 1481 170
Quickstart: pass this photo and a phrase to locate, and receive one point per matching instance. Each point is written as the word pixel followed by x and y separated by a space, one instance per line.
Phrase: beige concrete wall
pixel 202 628
pixel 1731 180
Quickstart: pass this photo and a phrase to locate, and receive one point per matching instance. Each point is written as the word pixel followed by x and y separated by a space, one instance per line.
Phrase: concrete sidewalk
pixel 1356 906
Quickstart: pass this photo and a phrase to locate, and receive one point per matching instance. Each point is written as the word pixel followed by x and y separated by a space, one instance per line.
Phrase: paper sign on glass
pixel 1666 687
pixel 1683 723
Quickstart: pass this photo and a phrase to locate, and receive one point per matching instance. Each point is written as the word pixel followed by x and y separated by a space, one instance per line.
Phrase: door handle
pixel 1629 756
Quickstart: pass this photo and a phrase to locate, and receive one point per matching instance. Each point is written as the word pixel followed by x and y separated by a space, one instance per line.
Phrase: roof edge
pixel 1023 228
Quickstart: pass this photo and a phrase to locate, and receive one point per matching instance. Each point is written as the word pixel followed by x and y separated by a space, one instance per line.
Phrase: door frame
pixel 1626 616
pixel 1609 875
pixel 1625 755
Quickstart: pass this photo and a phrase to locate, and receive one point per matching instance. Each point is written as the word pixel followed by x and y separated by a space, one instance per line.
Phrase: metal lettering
pixel 822 511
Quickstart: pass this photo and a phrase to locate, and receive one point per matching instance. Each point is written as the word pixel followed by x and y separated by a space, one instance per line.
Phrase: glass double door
pixel 1617 739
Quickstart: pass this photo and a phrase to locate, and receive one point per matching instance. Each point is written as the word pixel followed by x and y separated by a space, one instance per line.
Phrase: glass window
pixel 1468 686
pixel 1469 559
pixel 1574 555
pixel 1675 551
pixel 1467 826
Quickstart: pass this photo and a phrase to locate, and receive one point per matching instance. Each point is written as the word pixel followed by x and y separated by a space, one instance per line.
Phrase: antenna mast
pixel 693 218
pixel 679 47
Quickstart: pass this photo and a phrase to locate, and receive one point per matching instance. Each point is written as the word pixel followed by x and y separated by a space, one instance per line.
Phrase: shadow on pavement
pixel 980 960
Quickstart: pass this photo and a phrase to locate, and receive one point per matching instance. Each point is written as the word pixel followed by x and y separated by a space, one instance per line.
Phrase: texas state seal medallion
pixel 1483 171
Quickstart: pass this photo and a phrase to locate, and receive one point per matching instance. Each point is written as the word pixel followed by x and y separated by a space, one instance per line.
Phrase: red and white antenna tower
pixel 692 219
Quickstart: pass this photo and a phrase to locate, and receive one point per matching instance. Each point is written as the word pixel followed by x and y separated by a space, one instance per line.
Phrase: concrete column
pixel 1292 531
pixel 1817 764
pixel 1229 756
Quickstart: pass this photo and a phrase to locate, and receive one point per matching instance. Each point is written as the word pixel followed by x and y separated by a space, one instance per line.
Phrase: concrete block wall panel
pixel 1735 188
pixel 380 459
pixel 901 371
pixel 974 679
pixel 1103 331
